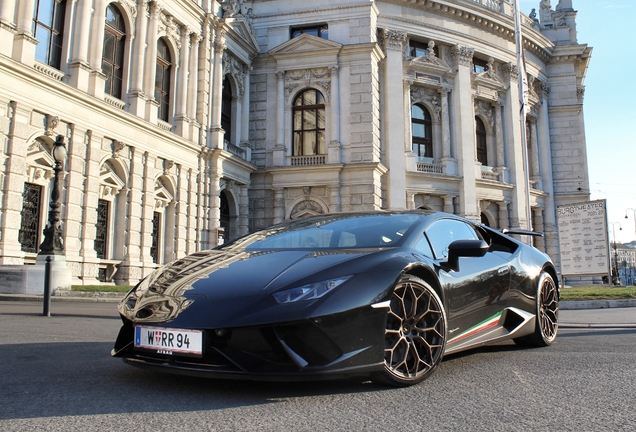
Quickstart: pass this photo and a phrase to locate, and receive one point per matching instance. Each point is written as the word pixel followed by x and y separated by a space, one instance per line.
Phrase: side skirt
pixel 508 324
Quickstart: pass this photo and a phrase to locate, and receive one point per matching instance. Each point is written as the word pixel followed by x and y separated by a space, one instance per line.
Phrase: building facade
pixel 193 122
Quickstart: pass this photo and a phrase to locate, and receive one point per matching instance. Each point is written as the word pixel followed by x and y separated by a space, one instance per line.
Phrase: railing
pixel 49 71
pixel 235 150
pixel 491 4
pixel 164 125
pixel 308 160
pixel 429 168
pixel 114 101
pixel 488 175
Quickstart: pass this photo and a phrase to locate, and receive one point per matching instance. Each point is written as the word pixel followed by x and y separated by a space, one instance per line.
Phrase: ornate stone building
pixel 191 121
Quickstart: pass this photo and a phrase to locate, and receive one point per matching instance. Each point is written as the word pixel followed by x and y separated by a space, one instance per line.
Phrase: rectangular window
pixel 479 65
pixel 320 30
pixel 419 49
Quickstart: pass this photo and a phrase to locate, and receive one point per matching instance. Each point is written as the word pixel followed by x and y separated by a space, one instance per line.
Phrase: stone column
pixel 279 205
pixel 394 124
pixel 543 132
pixel 335 199
pixel 537 222
pixel 190 211
pixel 515 150
pixel 130 269
pixel 245 116
pixel 503 215
pixel 499 139
pixel 215 210
pixel 7 27
pixel 410 200
pixel 447 157
pixel 13 176
pixel 333 155
pixel 410 157
pixel 534 155
pixel 279 149
pixel 24 43
pixel 97 79
pixel 243 219
pixel 182 207
pixel 464 115
pixel 84 185
pixel 217 92
pixel 151 110
pixel 193 87
pixel 448 204
pixel 79 68
pixel 147 210
pixel 181 117
pixel 136 96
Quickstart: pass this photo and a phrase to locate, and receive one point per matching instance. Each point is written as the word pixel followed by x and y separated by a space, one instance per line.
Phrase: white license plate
pixel 169 340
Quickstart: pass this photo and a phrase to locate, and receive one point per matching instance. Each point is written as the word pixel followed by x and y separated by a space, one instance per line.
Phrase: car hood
pixel 221 287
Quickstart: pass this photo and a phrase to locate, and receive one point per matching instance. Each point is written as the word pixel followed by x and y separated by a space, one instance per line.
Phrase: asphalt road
pixel 57 375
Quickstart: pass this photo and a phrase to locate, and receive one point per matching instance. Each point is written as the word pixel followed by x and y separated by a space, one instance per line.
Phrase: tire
pixel 547 321
pixel 415 334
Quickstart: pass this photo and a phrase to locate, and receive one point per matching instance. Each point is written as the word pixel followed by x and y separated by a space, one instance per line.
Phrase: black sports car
pixel 382 294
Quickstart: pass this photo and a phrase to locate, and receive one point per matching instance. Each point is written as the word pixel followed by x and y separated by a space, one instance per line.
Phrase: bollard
pixel 47 287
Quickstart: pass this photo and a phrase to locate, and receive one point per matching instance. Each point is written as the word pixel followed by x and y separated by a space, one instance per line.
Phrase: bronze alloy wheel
pixel 548 308
pixel 547 322
pixel 415 333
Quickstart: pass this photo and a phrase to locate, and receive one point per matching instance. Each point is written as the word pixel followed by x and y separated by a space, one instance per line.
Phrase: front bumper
pixel 350 343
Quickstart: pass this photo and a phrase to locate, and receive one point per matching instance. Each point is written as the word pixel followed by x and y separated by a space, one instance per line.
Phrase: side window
pixel 424 247
pixel 445 231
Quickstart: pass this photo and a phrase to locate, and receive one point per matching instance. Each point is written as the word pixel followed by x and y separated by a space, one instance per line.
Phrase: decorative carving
pixel 232 8
pixel 118 146
pixel 235 68
pixel 484 110
pixel 307 206
pixel 167 164
pixel 462 56
pixel 289 88
pixel 51 123
pixel 393 39
pixel 307 190
pixel 423 94
pixel 511 72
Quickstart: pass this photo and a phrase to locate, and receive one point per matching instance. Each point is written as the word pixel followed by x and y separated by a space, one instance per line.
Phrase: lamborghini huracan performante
pixel 382 295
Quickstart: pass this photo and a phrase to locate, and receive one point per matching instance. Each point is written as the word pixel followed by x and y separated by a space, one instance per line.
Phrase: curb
pixel 596 304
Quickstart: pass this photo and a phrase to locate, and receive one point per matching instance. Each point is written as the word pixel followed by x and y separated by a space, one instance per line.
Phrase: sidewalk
pixel 573 314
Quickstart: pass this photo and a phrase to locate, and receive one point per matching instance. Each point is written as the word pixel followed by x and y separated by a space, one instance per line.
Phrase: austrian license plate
pixel 169 340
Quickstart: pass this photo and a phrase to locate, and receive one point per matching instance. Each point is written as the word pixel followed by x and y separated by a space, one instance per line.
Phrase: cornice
pixel 480 16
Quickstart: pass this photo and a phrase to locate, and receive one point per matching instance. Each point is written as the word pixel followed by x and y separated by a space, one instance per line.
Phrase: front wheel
pixel 415 333
pixel 547 322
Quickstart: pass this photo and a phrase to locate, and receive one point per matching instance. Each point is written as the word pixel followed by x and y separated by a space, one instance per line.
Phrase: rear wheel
pixel 415 333
pixel 547 322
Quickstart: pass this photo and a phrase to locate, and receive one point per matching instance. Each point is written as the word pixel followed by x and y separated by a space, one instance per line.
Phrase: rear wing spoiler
pixel 521 232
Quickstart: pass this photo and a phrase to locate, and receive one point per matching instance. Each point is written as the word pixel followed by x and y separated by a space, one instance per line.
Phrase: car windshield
pixel 331 232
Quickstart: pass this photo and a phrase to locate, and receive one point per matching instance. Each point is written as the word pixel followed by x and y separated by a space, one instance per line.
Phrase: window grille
pixel 30 225
pixel 101 238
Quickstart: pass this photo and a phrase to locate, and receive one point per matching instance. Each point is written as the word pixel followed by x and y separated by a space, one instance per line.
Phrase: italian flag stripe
pixel 484 325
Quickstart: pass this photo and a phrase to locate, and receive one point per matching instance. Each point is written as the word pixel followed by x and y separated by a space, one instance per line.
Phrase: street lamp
pixel 634 212
pixel 53 244
pixel 615 267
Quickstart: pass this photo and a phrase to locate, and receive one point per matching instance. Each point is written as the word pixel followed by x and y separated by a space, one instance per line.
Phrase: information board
pixel 583 238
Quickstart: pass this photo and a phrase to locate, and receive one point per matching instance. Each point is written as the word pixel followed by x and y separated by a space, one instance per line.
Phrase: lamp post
pixel 615 266
pixel 53 244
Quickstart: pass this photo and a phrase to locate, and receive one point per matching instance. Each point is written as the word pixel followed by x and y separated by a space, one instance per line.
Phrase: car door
pixel 478 290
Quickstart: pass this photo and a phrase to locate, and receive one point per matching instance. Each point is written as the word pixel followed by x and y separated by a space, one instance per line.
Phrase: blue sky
pixel 609 27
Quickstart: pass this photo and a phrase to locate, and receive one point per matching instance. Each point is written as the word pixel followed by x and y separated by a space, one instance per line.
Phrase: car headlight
pixel 310 291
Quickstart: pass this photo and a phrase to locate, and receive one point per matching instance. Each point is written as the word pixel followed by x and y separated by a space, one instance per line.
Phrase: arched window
pixel 48 28
pixel 226 109
pixel 113 52
pixel 162 79
pixel 482 153
pixel 309 123
pixel 422 131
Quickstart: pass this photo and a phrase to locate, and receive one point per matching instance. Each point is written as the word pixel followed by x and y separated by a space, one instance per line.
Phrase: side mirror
pixel 467 249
